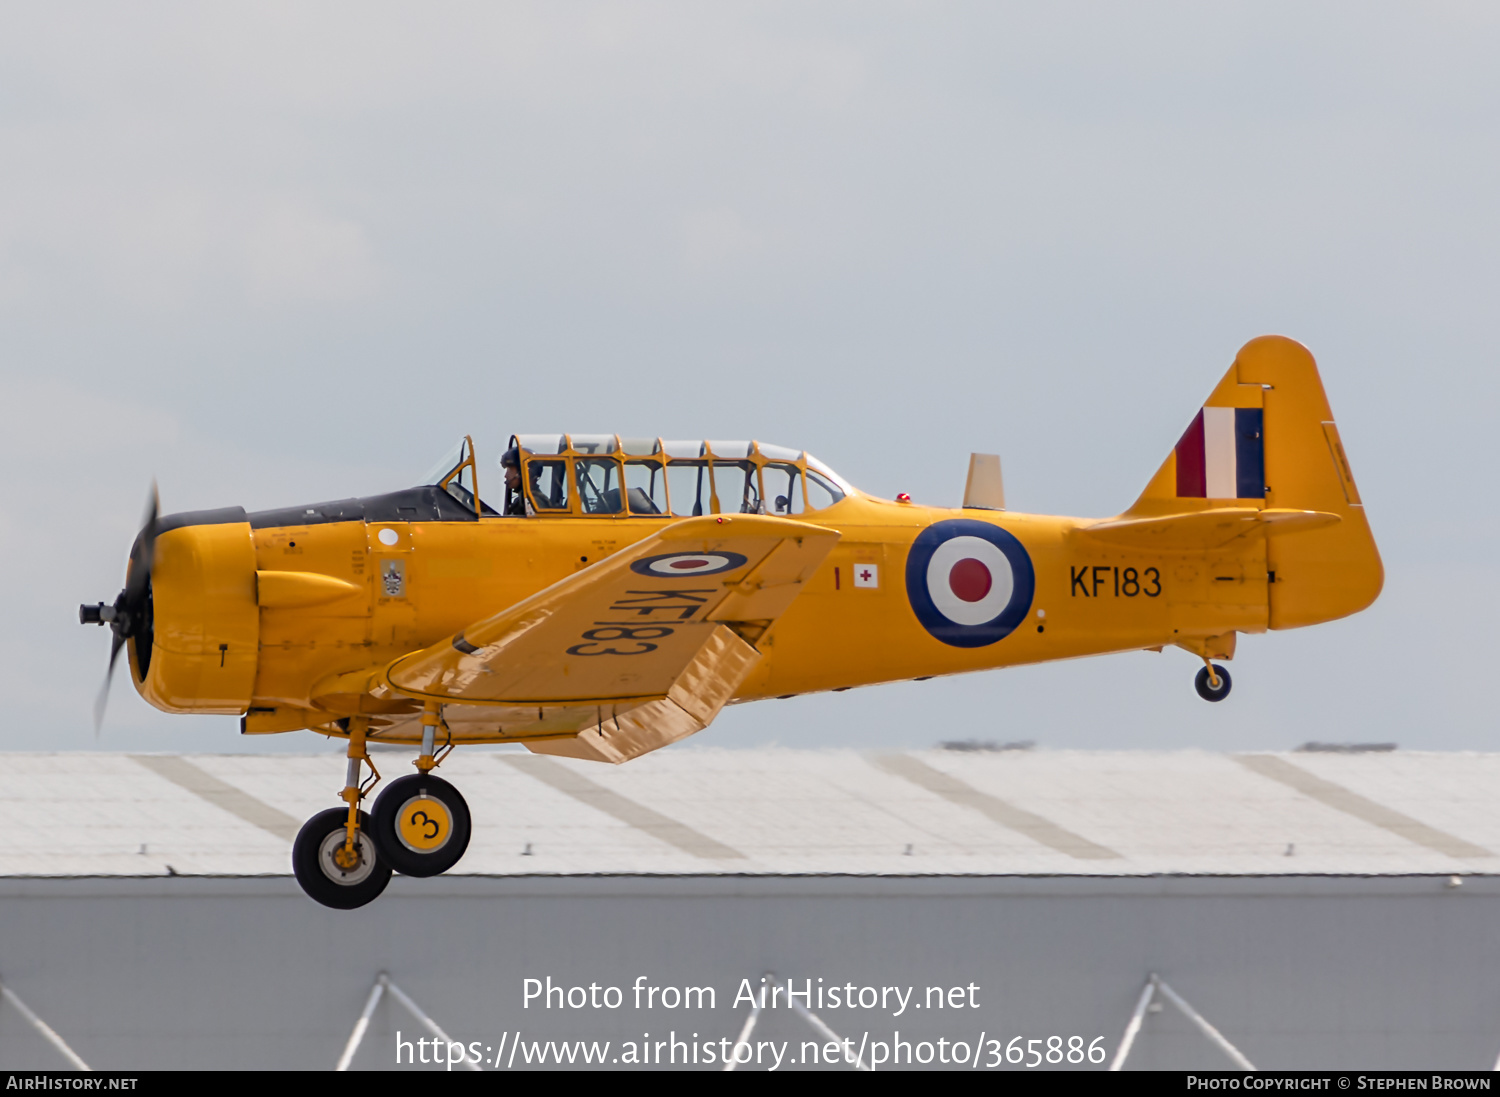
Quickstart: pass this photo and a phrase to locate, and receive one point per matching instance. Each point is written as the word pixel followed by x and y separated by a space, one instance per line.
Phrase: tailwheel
pixel 421 825
pixel 329 871
pixel 1208 688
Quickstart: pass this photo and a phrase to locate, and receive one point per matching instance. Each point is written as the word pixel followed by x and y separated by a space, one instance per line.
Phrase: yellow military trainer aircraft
pixel 628 589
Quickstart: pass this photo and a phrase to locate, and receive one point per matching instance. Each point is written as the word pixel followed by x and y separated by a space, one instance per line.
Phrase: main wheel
pixel 316 855
pixel 1206 690
pixel 421 825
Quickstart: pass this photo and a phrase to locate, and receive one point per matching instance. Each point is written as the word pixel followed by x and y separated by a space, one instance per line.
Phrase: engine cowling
pixel 205 638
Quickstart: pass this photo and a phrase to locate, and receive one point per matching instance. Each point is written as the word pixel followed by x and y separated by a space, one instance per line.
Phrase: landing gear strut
pixel 334 857
pixel 1213 682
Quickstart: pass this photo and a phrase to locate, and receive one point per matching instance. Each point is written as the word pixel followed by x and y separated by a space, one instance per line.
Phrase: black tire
pixel 321 878
pixel 1206 691
pixel 395 847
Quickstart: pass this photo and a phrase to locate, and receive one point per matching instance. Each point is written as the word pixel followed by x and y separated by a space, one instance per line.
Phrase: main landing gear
pixel 1213 682
pixel 420 826
pixel 333 872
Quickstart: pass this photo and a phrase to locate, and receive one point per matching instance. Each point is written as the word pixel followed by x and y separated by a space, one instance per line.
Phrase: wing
pixel 649 643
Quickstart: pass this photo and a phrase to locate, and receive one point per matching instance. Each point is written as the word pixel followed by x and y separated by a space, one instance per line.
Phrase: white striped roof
pixel 704 810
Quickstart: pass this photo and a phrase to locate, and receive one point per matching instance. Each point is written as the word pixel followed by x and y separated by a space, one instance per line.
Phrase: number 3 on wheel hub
pixel 421 825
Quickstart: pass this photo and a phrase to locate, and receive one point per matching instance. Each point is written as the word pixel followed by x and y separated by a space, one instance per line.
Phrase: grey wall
pixel 246 973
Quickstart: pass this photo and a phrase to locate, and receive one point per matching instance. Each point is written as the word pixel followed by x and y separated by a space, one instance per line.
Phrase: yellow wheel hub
pixel 424 824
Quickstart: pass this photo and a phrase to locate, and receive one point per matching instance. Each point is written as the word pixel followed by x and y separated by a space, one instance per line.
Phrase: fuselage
pixel 223 644
pixel 295 618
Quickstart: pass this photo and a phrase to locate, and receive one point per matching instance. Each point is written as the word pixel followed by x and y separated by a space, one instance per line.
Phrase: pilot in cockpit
pixel 515 499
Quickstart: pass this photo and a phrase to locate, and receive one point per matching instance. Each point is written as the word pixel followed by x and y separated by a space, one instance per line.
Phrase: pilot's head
pixel 510 461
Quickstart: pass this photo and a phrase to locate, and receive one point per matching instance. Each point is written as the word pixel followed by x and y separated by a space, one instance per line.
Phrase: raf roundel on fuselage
pixel 969 583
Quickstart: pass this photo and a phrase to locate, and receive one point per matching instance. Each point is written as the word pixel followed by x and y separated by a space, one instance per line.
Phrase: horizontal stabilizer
pixel 1206 529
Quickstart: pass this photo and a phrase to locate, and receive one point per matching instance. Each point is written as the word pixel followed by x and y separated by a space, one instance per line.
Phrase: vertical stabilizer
pixel 1266 438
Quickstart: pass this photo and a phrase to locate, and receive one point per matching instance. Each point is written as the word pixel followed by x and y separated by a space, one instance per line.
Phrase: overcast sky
pixel 273 254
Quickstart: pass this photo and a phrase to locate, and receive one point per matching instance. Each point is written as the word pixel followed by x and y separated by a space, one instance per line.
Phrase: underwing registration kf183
pixel 627 589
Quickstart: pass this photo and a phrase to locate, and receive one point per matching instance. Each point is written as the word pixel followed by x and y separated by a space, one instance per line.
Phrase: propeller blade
pixel 130 615
pixel 153 507
pixel 109 675
pixel 140 570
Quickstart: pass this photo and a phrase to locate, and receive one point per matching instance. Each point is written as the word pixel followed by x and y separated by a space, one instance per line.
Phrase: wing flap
pixel 703 688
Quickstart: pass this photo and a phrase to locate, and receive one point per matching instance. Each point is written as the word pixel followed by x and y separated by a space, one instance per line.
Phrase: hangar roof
pixel 774 811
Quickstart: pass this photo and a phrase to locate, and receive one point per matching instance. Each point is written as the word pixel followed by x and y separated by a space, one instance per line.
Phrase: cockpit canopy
pixel 590 474
pixel 457 473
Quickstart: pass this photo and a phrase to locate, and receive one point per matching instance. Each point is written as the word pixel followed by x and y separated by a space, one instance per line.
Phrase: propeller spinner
pixel 131 614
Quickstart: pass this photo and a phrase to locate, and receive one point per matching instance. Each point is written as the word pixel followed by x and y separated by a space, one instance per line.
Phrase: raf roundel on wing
pixel 674 564
pixel 969 583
